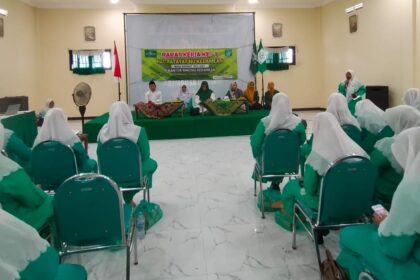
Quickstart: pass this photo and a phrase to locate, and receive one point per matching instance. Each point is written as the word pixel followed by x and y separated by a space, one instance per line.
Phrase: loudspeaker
pixel 378 95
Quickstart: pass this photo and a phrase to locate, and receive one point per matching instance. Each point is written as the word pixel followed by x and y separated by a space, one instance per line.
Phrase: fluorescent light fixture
pixel 114 1
pixel 3 12
pixel 354 8
pixel 253 1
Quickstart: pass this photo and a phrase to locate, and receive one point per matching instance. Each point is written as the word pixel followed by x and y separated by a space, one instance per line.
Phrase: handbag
pixel 331 270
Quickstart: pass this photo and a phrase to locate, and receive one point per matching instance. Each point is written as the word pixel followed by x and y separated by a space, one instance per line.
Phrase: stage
pixel 178 127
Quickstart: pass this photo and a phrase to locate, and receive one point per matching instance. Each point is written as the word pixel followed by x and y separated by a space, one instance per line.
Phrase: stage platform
pixel 178 127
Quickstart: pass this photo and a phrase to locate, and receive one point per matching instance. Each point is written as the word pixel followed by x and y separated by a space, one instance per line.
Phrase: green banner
pixel 189 64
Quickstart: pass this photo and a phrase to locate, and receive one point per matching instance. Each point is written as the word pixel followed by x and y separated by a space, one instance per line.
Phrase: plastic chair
pixel 280 158
pixel 346 197
pixel 52 163
pixel 353 132
pixel 90 216
pixel 365 276
pixel 120 160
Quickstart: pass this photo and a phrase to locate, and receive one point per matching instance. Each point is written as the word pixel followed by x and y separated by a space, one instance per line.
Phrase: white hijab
pixel 330 143
pixel 404 215
pixel 281 115
pixel 337 105
pixel 353 86
pixel 370 116
pixel 184 96
pixel 7 165
pixel 19 243
pixel 55 127
pixel 120 124
pixel 412 98
pixel 402 117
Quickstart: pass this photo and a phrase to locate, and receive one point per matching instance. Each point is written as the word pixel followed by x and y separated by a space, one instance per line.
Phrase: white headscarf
pixel 7 165
pixel 412 98
pixel 402 117
pixel 281 115
pixel 184 96
pixel 353 86
pixel 404 215
pixel 370 116
pixel 55 127
pixel 337 105
pixel 120 124
pixel 330 143
pixel 19 243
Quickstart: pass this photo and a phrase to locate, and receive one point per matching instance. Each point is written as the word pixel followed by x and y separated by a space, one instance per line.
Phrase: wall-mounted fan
pixel 81 96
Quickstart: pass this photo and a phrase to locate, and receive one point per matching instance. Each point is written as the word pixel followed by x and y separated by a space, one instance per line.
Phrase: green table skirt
pixel 23 125
pixel 177 127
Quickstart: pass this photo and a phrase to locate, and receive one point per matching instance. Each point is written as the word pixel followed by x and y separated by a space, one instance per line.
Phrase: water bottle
pixel 140 226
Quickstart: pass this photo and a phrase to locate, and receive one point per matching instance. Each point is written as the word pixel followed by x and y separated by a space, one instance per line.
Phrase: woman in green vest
pixel 19 196
pixel 56 128
pixel 280 117
pixel 330 143
pixel 373 124
pixel 352 89
pixel 25 255
pixel 390 248
pixel 15 149
pixel 120 124
pixel 390 172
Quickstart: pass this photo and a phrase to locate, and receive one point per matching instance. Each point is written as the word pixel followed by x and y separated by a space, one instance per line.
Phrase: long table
pixel 23 125
pixel 177 127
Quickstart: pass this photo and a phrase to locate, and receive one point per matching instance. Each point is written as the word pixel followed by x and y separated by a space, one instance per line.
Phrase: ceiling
pixel 130 3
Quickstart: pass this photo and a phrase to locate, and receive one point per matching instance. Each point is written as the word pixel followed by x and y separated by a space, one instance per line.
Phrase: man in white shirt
pixel 153 95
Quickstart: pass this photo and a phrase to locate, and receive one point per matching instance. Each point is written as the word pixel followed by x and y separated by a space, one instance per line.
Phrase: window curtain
pixel 277 59
pixel 88 62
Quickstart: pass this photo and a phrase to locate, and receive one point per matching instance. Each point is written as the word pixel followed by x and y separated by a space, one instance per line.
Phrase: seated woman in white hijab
pixel 337 106
pixel 25 255
pixel 327 133
pixel 234 92
pixel 56 128
pixel 120 124
pixel 390 173
pixel 390 248
pixel 373 124
pixel 185 96
pixel 15 149
pixel 280 117
pixel 352 89
pixel 412 98
pixel 19 196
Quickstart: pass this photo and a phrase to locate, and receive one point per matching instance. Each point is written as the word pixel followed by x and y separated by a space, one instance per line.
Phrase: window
pixel 279 58
pixel 87 62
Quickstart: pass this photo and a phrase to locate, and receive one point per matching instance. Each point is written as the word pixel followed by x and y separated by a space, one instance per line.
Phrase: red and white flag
pixel 117 69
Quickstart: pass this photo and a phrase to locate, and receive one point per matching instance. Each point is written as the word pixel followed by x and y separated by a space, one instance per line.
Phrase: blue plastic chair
pixel 52 163
pixel 120 160
pixel 353 132
pixel 346 197
pixel 90 216
pixel 280 158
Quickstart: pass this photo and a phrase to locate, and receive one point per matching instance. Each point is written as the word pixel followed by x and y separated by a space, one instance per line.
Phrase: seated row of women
pixel 329 143
pixel 19 195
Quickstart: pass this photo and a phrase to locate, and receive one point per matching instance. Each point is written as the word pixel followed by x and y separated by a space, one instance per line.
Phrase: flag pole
pixel 263 91
pixel 119 90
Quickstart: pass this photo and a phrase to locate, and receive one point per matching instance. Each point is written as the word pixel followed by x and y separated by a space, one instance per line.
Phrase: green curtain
pixel 83 69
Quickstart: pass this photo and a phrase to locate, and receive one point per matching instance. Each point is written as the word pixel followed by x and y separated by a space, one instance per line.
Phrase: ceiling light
pixel 3 12
pixel 114 1
pixel 253 1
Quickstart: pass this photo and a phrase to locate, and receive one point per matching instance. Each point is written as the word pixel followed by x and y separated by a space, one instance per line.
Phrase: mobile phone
pixel 380 210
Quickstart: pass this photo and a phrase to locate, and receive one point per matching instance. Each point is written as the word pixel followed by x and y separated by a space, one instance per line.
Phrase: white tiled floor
pixel 211 228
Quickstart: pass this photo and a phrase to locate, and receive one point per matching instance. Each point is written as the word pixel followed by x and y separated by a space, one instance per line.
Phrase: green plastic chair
pixel 280 158
pixel 52 163
pixel 90 216
pixel 353 132
pixel 120 160
pixel 346 197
